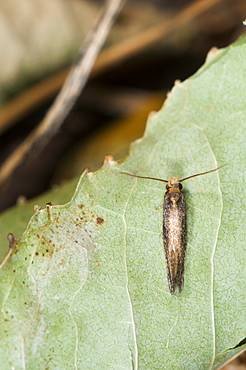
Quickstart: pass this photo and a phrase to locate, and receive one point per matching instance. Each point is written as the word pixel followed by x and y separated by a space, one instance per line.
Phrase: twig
pixel 110 56
pixel 11 240
pixel 137 43
pixel 70 91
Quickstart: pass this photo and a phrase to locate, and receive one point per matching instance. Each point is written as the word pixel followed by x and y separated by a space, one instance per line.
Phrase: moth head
pixel 173 183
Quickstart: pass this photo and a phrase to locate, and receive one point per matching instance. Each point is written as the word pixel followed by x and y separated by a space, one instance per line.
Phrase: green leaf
pixel 15 219
pixel 86 287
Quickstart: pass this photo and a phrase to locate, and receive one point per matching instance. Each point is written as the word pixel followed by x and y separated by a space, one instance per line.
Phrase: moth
pixel 174 227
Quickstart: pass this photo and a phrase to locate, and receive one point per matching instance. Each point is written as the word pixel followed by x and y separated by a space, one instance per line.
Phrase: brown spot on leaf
pixel 100 220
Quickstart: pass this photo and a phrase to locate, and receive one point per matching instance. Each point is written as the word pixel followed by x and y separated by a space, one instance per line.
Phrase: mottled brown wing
pixel 175 238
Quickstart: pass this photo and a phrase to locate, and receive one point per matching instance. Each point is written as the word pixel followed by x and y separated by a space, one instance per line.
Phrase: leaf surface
pixel 86 287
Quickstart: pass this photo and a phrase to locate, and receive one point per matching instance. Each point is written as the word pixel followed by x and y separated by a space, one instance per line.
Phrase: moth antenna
pixel 203 173
pixel 143 177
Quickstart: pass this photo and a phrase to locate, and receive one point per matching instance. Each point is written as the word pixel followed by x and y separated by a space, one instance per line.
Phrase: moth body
pixel 174 233
pixel 174 227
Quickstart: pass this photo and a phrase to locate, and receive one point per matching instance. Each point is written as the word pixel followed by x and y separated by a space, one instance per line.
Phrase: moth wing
pixel 175 238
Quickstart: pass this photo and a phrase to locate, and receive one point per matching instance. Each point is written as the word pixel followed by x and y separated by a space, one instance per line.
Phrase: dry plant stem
pixel 11 240
pixel 70 91
pixel 112 55
pixel 134 45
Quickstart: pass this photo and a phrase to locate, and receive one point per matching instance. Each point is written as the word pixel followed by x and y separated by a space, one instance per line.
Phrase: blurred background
pixel 152 44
